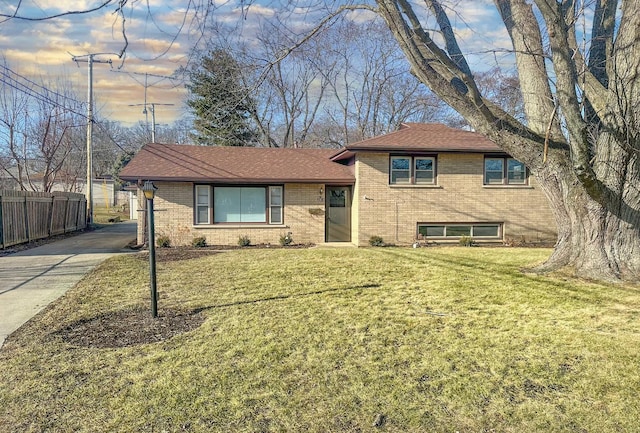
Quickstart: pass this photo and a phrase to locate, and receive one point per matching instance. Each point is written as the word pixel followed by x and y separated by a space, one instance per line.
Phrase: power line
pixel 38 92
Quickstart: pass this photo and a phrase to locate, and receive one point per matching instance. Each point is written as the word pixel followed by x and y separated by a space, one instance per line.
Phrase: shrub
pixel 376 241
pixel 466 241
pixel 163 241
pixel 286 239
pixel 199 242
pixel 244 241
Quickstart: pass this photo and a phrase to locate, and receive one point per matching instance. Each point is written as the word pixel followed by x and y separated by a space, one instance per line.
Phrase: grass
pixel 323 340
pixel 103 215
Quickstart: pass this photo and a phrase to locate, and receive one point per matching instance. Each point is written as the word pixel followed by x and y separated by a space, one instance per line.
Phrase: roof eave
pixel 333 180
pixel 396 149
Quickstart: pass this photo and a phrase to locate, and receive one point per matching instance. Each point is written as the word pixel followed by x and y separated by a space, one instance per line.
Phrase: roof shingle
pixel 235 165
pixel 428 137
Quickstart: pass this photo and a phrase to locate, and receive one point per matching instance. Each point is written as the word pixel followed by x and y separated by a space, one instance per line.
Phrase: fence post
pixel 1 220
pixel 26 218
pixel 50 217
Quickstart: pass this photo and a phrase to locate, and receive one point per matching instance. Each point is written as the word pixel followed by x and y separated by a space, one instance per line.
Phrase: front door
pixel 338 215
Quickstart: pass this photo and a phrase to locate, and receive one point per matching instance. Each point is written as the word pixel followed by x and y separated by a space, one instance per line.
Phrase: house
pixel 426 182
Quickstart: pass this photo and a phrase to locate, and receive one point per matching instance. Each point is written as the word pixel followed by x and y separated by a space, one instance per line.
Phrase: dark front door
pixel 338 215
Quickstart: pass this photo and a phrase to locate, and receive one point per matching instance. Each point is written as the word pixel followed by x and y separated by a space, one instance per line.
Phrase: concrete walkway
pixel 32 279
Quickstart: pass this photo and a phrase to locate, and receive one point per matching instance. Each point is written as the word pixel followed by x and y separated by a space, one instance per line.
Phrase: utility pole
pixel 89 185
pixel 152 109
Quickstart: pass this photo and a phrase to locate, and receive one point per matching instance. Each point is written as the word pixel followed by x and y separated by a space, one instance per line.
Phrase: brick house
pixel 425 182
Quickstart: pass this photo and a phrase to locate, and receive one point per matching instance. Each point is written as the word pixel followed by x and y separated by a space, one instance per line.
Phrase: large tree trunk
pixel 592 241
pixel 592 187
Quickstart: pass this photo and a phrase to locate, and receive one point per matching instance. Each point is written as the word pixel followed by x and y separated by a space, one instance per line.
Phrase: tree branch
pixel 566 84
pixel 102 5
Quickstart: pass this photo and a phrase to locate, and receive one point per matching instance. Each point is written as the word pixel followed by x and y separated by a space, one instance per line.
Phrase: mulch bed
pixel 172 254
pixel 130 328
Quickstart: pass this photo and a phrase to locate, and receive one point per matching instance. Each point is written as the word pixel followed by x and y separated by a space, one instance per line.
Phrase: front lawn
pixel 331 340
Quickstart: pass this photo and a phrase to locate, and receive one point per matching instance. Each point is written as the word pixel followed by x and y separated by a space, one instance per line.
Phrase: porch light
pixel 149 190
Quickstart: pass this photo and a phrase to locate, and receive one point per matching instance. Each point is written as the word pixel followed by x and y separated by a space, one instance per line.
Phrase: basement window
pixel 456 231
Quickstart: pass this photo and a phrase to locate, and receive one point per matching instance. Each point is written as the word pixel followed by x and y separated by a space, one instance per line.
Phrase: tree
pixel 347 83
pixel 592 180
pixel 41 122
pixel 222 105
pixel 580 137
pixel 369 81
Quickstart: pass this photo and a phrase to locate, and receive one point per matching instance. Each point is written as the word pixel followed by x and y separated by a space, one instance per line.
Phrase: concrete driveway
pixel 33 278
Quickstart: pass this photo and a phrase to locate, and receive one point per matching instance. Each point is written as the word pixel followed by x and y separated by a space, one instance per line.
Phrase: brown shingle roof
pixel 428 137
pixel 235 165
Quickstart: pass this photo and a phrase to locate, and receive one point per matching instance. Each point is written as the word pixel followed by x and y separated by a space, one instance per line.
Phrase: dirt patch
pixel 130 328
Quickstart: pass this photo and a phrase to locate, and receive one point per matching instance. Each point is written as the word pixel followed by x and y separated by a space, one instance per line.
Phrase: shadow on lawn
pixel 284 297
pixel 135 326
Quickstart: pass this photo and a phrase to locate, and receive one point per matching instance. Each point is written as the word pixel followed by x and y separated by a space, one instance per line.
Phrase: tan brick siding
pixel 459 197
pixel 377 208
pixel 174 217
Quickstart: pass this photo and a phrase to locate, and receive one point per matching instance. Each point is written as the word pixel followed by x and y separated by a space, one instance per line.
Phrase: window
pixel 203 203
pixel 400 170
pixel 275 204
pixel 407 170
pixel 238 204
pixel 456 231
pixel 504 171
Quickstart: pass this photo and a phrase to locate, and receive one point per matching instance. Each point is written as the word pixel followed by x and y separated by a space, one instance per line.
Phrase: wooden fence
pixel 26 216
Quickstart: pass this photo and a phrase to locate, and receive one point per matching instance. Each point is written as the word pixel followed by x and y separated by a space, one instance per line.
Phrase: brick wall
pixel 174 217
pixel 393 212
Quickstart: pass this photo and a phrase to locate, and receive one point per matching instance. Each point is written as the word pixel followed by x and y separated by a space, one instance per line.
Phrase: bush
pixel 244 241
pixel 286 239
pixel 466 241
pixel 199 242
pixel 376 241
pixel 163 242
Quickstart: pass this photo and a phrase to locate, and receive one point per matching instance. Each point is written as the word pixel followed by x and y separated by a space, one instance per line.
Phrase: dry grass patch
pixel 396 340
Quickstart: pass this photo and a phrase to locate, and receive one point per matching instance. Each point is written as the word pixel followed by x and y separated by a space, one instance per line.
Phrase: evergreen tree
pixel 220 102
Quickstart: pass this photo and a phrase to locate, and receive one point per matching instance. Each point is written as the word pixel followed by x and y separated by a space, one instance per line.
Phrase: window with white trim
pixel 412 170
pixel 456 231
pixel 275 204
pixel 231 204
pixel 504 171
pixel 203 204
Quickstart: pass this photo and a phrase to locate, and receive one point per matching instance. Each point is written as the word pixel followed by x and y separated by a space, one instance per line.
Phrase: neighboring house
pixel 424 182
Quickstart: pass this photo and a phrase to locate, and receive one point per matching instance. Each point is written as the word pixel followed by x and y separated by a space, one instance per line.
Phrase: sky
pixel 160 35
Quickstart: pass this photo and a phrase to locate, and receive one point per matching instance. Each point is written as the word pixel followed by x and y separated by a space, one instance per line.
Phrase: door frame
pixel 329 235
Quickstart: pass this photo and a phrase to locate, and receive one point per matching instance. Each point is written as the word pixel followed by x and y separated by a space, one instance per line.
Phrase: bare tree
pixel 40 121
pixel 581 101
pixel 592 187
pixel 370 83
pixel 13 117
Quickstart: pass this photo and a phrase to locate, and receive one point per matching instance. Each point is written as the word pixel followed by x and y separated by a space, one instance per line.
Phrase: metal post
pixel 152 259
pixel 89 184
pixel 153 123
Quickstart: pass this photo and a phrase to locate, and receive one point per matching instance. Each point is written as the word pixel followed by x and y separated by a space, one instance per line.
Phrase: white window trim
pixel 211 224
pixel 207 188
pixel 280 206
